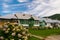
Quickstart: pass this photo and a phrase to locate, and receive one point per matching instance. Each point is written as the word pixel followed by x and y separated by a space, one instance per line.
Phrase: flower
pixel 8 23
pixel 11 39
pixel 7 31
pixel 4 29
pixel 16 27
pixel 23 33
pixel 1 37
pixel 6 26
pixel 18 30
pixel 28 34
pixel 24 37
pixel 1 27
pixel 25 28
pixel 19 35
pixel 13 34
pixel 19 39
pixel 13 29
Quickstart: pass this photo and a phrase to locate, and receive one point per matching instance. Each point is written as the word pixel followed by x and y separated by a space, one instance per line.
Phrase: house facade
pixel 51 23
pixel 24 19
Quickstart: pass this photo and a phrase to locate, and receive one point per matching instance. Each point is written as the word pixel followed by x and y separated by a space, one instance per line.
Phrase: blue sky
pixel 12 6
pixel 34 7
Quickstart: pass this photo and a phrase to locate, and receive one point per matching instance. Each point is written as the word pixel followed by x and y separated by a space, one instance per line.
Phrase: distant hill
pixel 56 16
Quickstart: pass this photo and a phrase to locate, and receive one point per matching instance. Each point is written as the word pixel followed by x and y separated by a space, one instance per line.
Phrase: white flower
pixel 6 26
pixel 1 37
pixel 4 29
pixel 23 32
pixel 19 39
pixel 13 34
pixel 19 35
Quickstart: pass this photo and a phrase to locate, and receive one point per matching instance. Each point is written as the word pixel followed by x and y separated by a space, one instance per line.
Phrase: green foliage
pixel 31 22
pixel 56 16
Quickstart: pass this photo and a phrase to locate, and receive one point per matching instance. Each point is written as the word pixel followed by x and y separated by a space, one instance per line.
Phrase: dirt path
pixel 56 37
pixel 39 37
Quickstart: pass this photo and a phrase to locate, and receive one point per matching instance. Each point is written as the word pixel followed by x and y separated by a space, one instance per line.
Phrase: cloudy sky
pixel 35 7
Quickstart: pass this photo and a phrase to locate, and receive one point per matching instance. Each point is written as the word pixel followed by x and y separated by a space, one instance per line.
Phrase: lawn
pixel 33 38
pixel 45 32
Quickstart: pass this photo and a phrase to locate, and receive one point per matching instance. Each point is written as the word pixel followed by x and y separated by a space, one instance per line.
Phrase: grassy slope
pixel 45 33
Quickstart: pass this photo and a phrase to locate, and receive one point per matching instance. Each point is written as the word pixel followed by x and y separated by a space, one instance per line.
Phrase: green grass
pixel 33 38
pixel 45 32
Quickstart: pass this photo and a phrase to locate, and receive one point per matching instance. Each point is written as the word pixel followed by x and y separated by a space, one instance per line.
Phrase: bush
pixel 13 32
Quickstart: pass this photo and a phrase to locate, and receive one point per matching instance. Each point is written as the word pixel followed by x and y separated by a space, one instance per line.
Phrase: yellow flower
pixel 7 31
pixel 19 39
pixel 13 29
pixel 24 37
pixel 28 34
pixel 20 26
pixel 1 27
pixel 16 27
pixel 11 39
pixel 17 30
pixel 25 29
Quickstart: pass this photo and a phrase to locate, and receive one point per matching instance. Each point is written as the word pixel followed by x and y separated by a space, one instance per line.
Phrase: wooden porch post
pixel 17 19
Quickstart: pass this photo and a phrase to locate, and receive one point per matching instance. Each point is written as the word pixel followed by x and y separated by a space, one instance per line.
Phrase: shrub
pixel 13 32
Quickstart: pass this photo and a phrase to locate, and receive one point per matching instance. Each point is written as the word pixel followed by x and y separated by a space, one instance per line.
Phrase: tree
pixel 31 22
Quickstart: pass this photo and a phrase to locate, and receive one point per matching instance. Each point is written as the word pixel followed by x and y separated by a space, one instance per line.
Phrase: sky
pixel 39 8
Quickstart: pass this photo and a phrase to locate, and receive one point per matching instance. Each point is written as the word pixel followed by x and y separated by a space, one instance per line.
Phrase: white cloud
pixel 5 5
pixel 6 11
pixel 53 7
pixel 40 7
pixel 22 0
